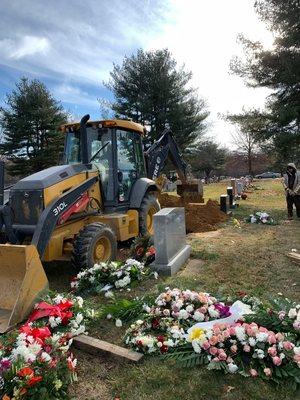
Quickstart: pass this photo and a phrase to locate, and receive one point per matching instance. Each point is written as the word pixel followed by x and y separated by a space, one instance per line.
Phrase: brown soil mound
pixel 198 217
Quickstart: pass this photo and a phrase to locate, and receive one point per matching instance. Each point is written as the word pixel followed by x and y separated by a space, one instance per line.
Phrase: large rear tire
pixel 150 206
pixel 95 243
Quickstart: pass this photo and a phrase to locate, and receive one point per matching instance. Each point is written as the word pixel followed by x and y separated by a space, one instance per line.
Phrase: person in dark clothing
pixel 291 182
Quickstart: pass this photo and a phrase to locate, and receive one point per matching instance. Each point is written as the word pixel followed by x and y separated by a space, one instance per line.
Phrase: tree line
pixel 150 88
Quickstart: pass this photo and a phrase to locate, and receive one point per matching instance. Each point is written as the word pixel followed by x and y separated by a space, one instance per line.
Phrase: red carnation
pixel 34 380
pixel 26 371
pixel 155 323
pixel 164 349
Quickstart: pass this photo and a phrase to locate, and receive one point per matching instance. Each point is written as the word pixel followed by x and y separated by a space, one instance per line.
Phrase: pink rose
pixel 250 331
pixel 253 372
pixel 213 351
pixel 281 315
pixel 215 359
pixel 203 310
pixel 272 351
pixel 246 348
pixel 263 329
pixel 296 325
pixel 268 372
pixel 297 358
pixel 276 361
pixel 272 338
pixel 226 334
pixel 232 331
pixel 229 360
pixel 213 340
pixel 279 336
pixel 222 355
pixel 288 345
pixel 205 345
pixel 233 348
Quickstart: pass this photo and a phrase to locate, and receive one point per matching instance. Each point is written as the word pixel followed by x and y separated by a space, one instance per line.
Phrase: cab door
pixel 130 162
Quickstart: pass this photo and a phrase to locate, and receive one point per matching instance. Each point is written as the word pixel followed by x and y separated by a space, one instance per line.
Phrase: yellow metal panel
pixel 52 192
pixel 22 282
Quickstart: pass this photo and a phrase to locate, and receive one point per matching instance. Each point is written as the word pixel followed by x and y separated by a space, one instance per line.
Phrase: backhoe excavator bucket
pixel 191 191
pixel 22 282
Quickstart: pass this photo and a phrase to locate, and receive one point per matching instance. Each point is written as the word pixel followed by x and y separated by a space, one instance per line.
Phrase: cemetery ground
pixel 251 259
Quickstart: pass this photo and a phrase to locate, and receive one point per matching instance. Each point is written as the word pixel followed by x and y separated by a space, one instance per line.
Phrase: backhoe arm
pixel 158 153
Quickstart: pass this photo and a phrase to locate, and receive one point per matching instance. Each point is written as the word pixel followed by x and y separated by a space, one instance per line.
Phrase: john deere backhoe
pixel 80 210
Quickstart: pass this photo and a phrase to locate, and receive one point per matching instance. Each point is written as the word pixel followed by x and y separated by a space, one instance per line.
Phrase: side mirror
pixel 120 176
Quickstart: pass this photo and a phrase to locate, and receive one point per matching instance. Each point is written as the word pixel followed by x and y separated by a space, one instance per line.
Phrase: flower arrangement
pixel 260 217
pixel 165 322
pixel 170 327
pixel 107 275
pixel 35 361
pixel 248 349
pixel 143 250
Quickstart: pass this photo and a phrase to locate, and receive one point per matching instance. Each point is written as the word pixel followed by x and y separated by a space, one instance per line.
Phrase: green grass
pixel 251 259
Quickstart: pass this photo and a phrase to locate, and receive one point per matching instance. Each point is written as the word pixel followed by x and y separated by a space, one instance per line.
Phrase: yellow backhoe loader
pixel 104 193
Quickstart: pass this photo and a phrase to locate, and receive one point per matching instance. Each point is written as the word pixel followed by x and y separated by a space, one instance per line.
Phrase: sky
pixel 71 46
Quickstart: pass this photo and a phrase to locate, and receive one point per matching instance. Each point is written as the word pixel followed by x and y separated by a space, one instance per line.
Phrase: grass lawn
pixel 251 259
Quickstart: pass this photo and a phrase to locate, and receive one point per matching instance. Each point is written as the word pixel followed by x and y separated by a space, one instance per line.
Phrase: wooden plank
pixel 93 346
pixel 294 256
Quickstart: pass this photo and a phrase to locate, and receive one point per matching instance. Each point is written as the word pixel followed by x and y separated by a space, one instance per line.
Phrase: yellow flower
pixel 195 334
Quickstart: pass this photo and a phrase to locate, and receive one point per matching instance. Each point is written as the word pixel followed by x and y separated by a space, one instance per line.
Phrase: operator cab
pixel 115 149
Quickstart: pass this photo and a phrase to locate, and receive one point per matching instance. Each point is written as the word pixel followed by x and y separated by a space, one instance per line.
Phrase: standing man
pixel 291 183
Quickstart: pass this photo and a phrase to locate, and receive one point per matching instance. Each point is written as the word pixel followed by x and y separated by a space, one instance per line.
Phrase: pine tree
pixel 149 88
pixel 277 69
pixel 29 121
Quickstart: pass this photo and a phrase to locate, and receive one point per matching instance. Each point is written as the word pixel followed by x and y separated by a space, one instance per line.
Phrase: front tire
pixel 150 206
pixel 95 243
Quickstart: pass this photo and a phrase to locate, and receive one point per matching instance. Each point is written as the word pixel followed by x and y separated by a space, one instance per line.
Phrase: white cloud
pixel 18 48
pixel 74 95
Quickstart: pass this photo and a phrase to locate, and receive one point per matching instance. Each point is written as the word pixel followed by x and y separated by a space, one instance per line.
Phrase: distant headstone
pixel 224 203
pixel 232 204
pixel 233 183
pixel 170 240
pixel 239 187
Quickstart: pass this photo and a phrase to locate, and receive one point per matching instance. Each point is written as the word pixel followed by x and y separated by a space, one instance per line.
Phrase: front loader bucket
pixel 22 282
pixel 191 191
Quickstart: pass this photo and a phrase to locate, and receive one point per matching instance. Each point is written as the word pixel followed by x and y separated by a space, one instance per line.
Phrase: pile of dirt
pixel 198 217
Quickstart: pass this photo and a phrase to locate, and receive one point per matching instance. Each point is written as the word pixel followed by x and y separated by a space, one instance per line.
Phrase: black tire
pixel 88 240
pixel 150 205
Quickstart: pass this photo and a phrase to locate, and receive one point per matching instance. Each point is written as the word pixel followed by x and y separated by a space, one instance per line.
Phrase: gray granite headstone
pixel 170 240
pixel 239 187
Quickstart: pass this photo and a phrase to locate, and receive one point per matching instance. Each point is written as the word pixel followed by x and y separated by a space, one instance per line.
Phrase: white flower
pixel 196 346
pixel 190 308
pixel 79 301
pixel 146 308
pixel 262 336
pixel 297 350
pixel 58 299
pixel 260 353
pixel 109 294
pixel 253 219
pixel 183 314
pixel 79 331
pixel 45 357
pixel 79 318
pixel 198 316
pixel 252 342
pixel 232 368
pixel 292 313
pixel 92 279
pixel 240 333
pixel 118 323
pixel 109 316
pixel 155 274
pixel 213 312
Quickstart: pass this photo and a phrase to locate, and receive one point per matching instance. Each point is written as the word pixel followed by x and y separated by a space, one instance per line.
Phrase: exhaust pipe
pixel 1 183
pixel 84 140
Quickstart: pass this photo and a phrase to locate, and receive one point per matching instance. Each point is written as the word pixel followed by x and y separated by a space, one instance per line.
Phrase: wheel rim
pixel 102 250
pixel 150 229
